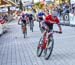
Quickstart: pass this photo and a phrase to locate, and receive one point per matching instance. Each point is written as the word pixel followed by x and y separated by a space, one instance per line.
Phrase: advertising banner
pixel 66 18
pixel 4 10
pixel 72 1
pixel 12 8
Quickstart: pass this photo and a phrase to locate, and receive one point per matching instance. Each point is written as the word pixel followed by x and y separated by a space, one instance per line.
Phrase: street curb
pixel 67 24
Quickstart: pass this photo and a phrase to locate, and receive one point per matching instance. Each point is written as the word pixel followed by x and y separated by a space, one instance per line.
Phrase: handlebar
pixel 57 32
pixel 53 30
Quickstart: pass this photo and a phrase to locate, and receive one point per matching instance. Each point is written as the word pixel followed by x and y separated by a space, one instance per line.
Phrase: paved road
pixel 15 50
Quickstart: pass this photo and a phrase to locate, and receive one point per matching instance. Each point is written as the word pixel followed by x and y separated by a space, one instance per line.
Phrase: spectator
pixel 73 8
pixel 5 17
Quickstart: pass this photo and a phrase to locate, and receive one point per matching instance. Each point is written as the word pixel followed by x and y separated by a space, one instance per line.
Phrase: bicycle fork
pixel 45 43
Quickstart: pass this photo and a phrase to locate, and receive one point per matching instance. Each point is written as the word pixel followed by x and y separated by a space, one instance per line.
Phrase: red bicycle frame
pixel 44 43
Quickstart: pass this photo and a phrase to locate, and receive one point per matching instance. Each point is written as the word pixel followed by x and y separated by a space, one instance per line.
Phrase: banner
pixel 72 1
pixel 66 17
pixel 12 8
pixel 4 10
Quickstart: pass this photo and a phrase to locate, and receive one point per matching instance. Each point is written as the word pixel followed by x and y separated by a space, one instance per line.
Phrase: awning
pixel 12 3
pixel 6 5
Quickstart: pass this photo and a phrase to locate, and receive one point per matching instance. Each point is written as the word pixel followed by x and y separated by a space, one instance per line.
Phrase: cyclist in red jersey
pixel 51 19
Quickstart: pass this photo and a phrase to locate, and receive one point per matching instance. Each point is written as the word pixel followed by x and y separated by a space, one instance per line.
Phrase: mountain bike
pixel 31 25
pixel 24 30
pixel 46 45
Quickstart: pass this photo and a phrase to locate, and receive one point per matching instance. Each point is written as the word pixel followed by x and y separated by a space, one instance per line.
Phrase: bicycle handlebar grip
pixel 57 32
pixel 60 32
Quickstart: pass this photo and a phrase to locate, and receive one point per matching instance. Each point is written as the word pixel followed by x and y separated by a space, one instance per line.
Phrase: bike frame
pixel 45 40
pixel 23 28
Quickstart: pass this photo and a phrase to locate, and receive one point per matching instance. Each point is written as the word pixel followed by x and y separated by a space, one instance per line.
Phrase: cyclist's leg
pixel 45 29
pixel 24 25
pixel 31 25
pixel 40 18
pixel 42 24
pixel 50 34
pixel 49 28
pixel 30 22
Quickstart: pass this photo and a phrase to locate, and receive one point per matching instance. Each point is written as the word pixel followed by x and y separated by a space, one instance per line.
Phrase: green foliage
pixel 39 5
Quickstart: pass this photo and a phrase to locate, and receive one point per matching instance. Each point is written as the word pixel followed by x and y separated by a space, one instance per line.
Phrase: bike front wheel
pixel 39 48
pixel 24 31
pixel 49 49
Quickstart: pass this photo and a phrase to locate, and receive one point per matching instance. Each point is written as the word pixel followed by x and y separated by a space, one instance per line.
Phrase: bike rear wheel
pixel 39 48
pixel 49 49
pixel 31 26
pixel 24 31
pixel 24 34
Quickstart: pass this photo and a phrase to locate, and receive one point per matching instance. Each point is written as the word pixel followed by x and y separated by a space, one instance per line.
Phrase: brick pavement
pixel 15 50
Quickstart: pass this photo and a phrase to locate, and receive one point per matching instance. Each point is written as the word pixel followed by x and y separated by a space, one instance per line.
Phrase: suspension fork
pixel 45 40
pixel 44 44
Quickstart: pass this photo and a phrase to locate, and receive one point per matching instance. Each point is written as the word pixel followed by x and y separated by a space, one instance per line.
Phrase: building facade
pixel 7 3
pixel 61 1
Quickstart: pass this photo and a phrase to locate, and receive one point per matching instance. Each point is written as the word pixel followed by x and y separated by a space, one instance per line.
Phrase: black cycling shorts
pixel 24 22
pixel 40 18
pixel 50 26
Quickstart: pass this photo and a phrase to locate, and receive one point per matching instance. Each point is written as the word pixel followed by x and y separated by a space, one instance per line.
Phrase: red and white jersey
pixel 49 19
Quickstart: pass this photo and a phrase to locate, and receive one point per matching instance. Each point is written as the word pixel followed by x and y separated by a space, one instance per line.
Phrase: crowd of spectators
pixel 4 17
pixel 65 8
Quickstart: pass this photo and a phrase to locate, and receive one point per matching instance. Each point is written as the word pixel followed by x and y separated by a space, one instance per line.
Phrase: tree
pixel 20 5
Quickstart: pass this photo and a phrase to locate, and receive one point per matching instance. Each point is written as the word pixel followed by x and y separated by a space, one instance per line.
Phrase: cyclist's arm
pixel 58 23
pixel 60 29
